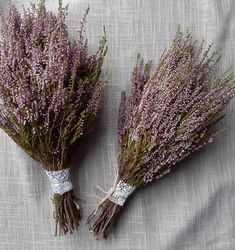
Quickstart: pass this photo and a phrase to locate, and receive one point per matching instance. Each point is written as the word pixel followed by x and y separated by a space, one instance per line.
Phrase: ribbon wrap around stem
pixel 121 192
pixel 60 181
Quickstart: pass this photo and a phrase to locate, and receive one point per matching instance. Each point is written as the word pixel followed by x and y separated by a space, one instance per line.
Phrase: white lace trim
pixel 121 193
pixel 60 181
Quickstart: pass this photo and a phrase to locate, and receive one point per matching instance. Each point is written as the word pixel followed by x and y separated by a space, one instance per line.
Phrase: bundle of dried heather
pixel 50 94
pixel 167 116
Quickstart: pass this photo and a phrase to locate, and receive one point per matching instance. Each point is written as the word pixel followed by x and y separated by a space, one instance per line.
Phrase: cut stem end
pixel 67 213
pixel 101 220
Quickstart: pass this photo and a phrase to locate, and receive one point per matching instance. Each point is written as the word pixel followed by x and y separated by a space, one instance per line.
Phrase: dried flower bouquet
pixel 167 116
pixel 50 94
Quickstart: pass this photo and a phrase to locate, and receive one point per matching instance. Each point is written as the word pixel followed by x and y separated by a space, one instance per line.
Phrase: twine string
pixel 118 192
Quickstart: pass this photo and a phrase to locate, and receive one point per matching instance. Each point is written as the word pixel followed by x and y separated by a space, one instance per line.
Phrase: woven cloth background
pixel 191 208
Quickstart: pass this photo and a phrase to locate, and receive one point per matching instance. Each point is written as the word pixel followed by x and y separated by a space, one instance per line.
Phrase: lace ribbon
pixel 121 192
pixel 60 181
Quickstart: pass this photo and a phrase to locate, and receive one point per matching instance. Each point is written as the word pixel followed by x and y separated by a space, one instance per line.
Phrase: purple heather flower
pixel 169 114
pixel 47 82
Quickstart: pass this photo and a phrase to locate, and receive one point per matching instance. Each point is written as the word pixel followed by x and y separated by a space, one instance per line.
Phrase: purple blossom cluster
pixel 169 114
pixel 50 90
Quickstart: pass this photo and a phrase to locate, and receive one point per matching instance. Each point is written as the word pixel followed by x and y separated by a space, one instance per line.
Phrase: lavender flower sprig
pixel 50 92
pixel 167 116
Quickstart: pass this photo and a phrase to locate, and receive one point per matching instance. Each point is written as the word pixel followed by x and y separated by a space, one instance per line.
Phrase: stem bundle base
pixel 102 219
pixel 67 213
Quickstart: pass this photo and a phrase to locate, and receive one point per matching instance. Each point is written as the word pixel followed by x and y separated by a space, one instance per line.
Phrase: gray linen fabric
pixel 191 208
